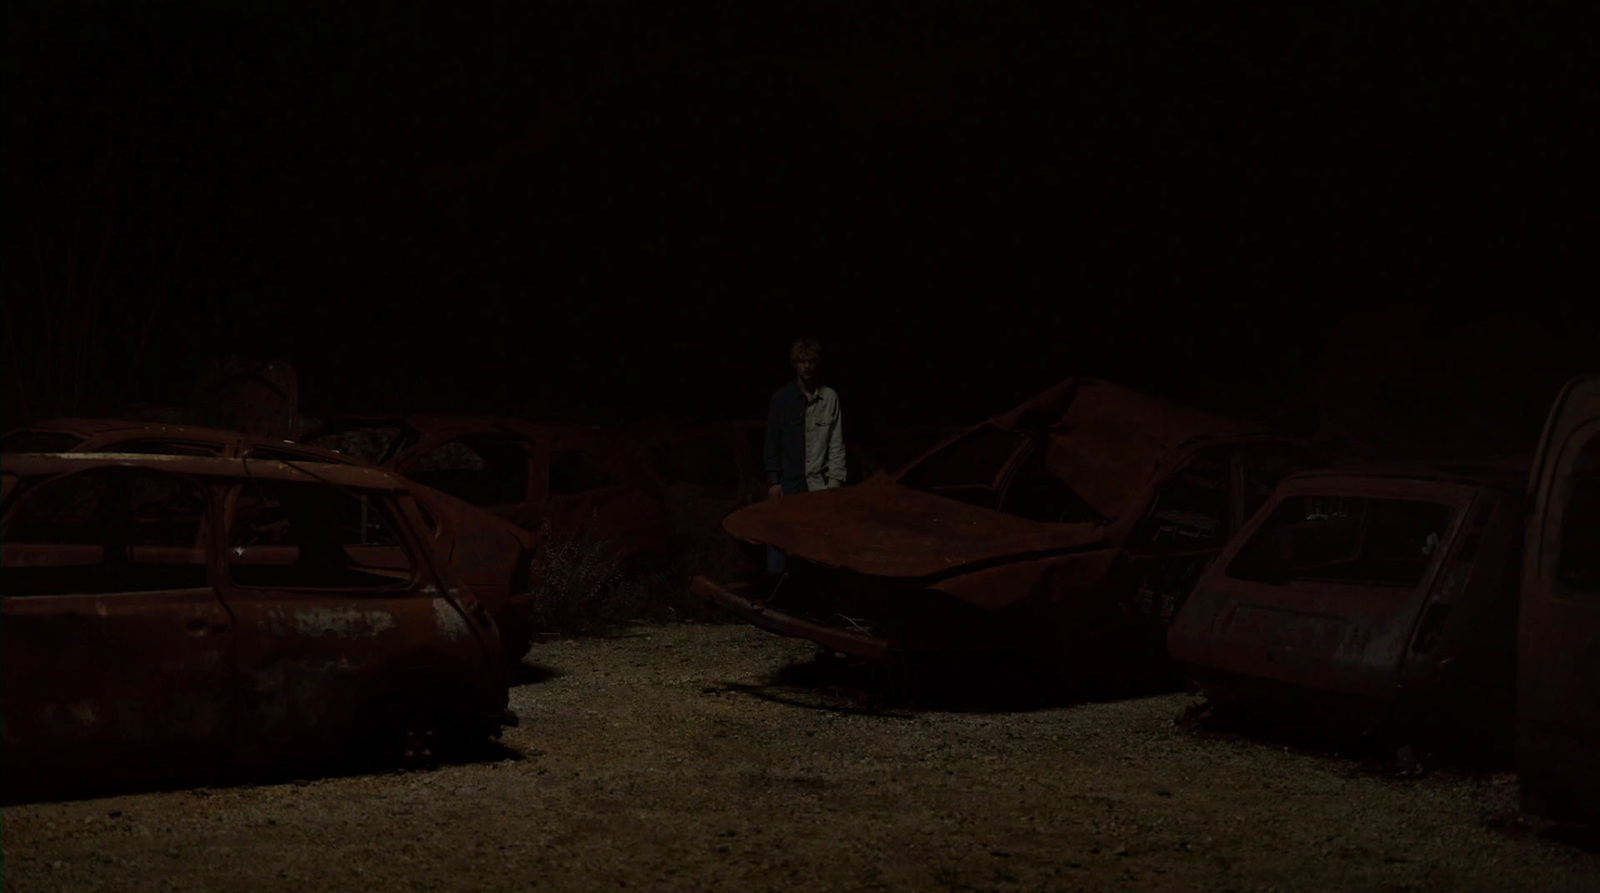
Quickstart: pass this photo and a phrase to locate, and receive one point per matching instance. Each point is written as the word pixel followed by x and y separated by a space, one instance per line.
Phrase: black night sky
pixel 596 210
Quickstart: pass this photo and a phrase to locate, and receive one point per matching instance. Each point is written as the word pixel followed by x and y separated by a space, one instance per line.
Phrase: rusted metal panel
pixel 1038 530
pixel 166 616
pixel 1382 585
pixel 1558 690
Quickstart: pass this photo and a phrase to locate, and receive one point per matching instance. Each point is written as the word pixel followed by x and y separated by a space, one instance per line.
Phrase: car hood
pixel 882 528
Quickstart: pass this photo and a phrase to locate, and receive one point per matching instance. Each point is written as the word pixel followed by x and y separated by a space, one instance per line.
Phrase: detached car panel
pixel 167 617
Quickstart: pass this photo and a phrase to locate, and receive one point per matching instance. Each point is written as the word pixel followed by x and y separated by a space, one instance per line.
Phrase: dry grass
pixel 582 587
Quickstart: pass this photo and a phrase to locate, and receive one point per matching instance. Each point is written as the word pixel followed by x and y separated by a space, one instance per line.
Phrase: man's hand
pixel 774 491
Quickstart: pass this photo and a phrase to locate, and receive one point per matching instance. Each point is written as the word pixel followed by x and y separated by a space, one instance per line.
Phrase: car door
pixel 336 606
pixel 1558 642
pixel 1188 522
pixel 118 653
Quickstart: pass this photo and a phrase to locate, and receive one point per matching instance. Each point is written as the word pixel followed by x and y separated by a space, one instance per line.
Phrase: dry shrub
pixel 576 585
pixel 581 586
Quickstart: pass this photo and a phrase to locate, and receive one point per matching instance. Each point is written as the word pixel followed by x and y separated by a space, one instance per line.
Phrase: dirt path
pixel 648 764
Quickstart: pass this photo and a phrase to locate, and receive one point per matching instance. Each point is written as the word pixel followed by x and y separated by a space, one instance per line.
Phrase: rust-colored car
pixel 1067 530
pixel 575 481
pixel 1367 597
pixel 491 554
pixel 169 617
pixel 1558 632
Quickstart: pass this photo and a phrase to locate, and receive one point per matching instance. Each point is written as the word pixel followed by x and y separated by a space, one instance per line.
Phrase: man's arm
pixel 772 460
pixel 836 466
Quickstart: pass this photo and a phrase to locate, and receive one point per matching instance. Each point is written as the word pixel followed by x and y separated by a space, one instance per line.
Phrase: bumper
pixel 731 598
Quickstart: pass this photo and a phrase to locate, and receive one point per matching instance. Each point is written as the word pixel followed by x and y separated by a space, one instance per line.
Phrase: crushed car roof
pixel 1107 441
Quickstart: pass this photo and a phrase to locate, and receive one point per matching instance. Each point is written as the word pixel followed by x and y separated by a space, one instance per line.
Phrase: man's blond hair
pixel 805 348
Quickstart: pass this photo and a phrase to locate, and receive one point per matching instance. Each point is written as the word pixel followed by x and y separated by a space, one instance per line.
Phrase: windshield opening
pixel 1345 539
pixel 967 468
pixel 970 469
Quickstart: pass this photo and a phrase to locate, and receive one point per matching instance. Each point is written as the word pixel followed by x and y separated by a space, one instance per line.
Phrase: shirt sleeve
pixel 836 465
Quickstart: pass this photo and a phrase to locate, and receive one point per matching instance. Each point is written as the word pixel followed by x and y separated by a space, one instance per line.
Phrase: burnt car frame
pixel 491 554
pixel 1065 532
pixel 1366 599
pixel 172 618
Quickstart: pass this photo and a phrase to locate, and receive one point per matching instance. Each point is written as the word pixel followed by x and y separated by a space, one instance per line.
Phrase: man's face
pixel 808 369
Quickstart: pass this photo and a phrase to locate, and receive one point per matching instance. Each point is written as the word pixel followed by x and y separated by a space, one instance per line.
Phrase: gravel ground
pixel 666 759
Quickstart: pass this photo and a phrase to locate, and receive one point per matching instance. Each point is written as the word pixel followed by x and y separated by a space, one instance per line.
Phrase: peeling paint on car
pixel 342 622
pixel 451 623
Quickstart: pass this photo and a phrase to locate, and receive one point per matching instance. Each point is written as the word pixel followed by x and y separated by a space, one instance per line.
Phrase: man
pixel 805 437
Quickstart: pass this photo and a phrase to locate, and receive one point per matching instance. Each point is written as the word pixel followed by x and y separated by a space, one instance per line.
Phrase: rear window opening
pixel 968 468
pixel 1345 539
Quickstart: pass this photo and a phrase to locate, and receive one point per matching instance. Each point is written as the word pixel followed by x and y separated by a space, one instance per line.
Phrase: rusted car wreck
pixel 1369 598
pixel 491 554
pixel 1068 530
pixel 172 617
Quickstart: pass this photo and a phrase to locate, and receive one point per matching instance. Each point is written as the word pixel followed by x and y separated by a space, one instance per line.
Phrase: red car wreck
pixel 171 617
pixel 1367 597
pixel 1068 531
pixel 491 555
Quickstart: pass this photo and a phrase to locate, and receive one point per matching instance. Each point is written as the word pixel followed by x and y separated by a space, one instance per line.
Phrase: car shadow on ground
pixel 529 673
pixel 830 683
pixel 1385 750
pixel 488 751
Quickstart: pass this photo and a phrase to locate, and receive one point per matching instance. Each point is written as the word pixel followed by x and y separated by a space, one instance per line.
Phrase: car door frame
pixel 186 702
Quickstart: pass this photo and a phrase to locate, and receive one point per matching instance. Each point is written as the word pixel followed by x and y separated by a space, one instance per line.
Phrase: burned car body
pixel 490 554
pixel 1067 530
pixel 172 617
pixel 1368 597
pixel 576 482
pixel 1558 631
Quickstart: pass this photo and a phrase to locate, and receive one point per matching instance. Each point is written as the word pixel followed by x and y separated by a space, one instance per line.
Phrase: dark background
pixel 602 211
